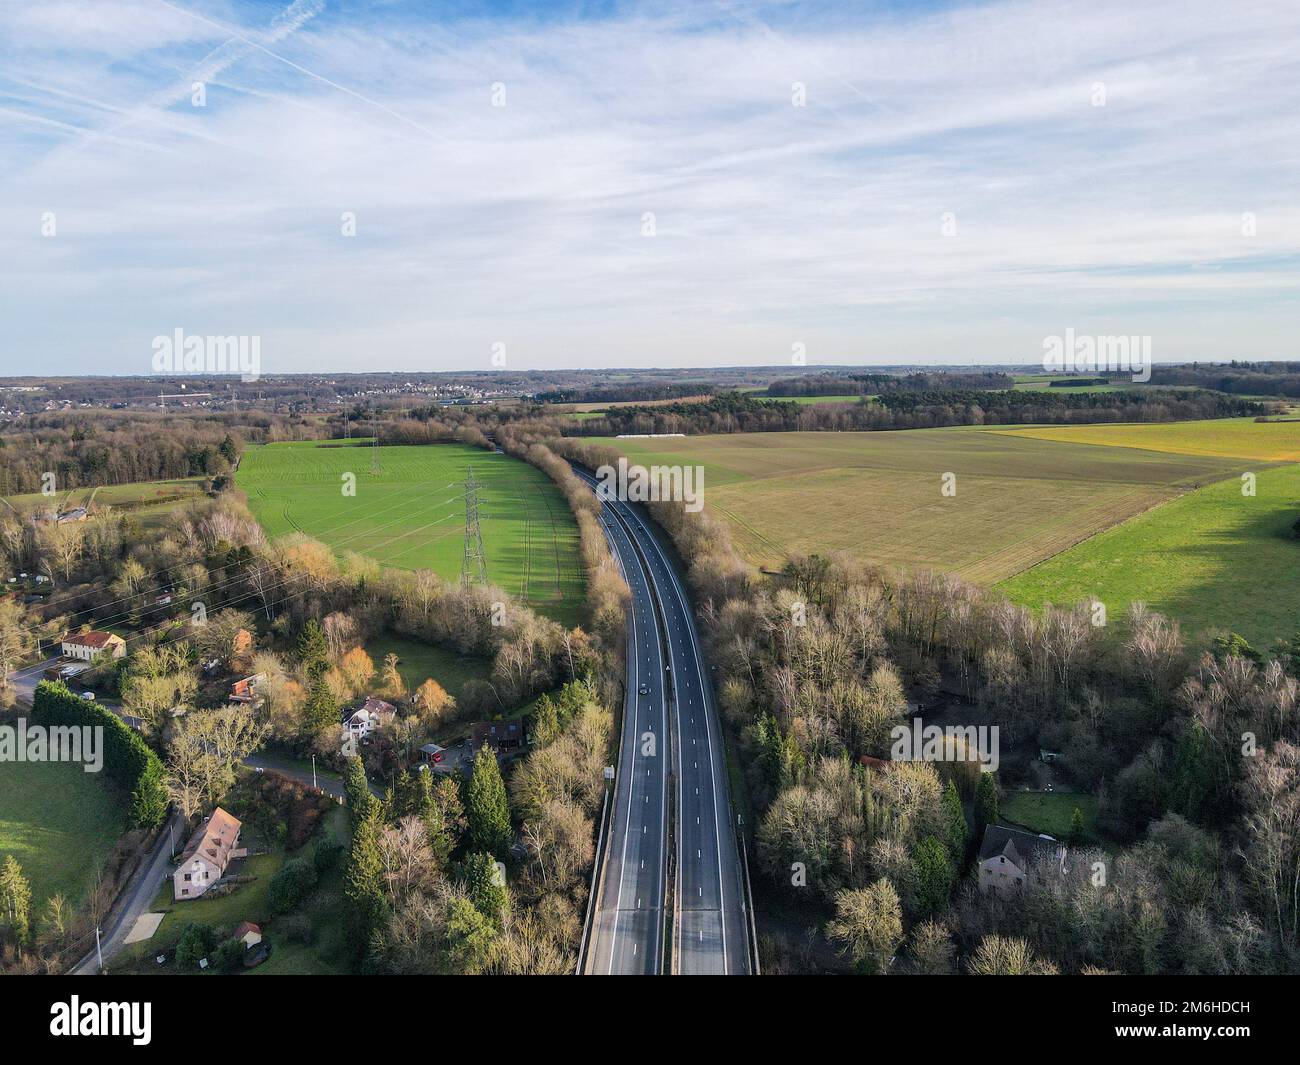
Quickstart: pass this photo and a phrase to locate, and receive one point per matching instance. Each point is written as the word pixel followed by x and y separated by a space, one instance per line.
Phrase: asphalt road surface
pixel 628 933
pixel 709 926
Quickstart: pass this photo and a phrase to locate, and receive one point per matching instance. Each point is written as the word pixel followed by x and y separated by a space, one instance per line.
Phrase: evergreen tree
pixel 1077 833
pixel 954 823
pixel 425 806
pixel 546 722
pixel 486 887
pixel 486 807
pixel 16 899
pixel 313 648
pixel 361 801
pixel 935 876
pixel 322 709
pixel 986 802
pixel 363 882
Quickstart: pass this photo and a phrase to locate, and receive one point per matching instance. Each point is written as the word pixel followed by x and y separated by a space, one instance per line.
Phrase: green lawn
pixel 1049 811
pixel 411 513
pixel 417 661
pixel 1212 559
pixel 57 820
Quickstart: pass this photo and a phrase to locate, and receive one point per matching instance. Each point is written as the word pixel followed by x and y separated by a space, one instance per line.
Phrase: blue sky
pixel 960 182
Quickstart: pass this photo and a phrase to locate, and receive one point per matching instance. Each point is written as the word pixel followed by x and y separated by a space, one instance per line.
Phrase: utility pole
pixel 99 951
pixel 473 567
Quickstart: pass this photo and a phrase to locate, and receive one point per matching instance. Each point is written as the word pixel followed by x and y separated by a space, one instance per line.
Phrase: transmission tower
pixel 473 568
pixel 375 466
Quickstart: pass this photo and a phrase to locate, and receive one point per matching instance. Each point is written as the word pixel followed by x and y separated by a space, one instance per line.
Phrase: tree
pixel 934 875
pixel 1077 832
pixel 16 643
pixel 56 916
pixel 229 956
pixel 986 802
pixel 361 801
pixel 322 709
pixel 16 899
pixel 932 949
pixel 433 702
pixel 486 887
pixel 291 885
pixel 194 944
pixel 954 823
pixel 313 648
pixel 1003 956
pixel 390 678
pixel 486 807
pixel 869 923
pixel 363 882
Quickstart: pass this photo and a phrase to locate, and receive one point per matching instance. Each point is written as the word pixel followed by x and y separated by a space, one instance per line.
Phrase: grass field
pixel 149 502
pixel 57 820
pixel 1043 383
pixel 877 496
pixel 416 662
pixel 1234 438
pixel 1212 558
pixel 1049 811
pixel 411 514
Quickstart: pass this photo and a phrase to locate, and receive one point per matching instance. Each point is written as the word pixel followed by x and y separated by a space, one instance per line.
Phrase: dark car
pixel 644 689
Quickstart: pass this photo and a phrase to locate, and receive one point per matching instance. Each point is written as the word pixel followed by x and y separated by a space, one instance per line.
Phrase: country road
pixel 710 921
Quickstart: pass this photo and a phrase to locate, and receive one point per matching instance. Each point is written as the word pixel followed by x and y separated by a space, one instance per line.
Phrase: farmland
pixel 1212 558
pixel 1019 500
pixel 57 820
pixel 410 514
pixel 1234 438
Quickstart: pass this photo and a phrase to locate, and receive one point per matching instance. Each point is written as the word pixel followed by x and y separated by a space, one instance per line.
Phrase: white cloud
pixel 773 222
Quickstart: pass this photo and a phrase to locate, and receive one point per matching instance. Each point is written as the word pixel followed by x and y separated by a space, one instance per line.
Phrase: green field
pixel 57 820
pixel 149 502
pixel 416 662
pixel 877 496
pixel 1049 811
pixel 1234 438
pixel 806 400
pixel 1212 558
pixel 1043 383
pixel 411 514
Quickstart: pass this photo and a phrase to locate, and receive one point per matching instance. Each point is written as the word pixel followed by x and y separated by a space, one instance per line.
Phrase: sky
pixel 424 186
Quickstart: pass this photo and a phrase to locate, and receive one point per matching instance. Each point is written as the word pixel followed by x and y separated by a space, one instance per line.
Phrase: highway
pixel 709 925
pixel 628 931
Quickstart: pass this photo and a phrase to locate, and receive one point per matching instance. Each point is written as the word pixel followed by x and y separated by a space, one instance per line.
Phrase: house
pixel 245 691
pixel 1009 856
pixel 249 934
pixel 432 755
pixel 373 714
pixel 500 736
pixel 874 763
pixel 206 855
pixel 88 646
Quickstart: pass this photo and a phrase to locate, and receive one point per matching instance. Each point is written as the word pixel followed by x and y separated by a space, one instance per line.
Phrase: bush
pixel 328 854
pixel 296 928
pixel 195 942
pixel 291 886
pixel 229 956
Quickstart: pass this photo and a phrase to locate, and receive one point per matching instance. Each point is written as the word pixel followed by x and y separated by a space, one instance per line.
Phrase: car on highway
pixel 644 689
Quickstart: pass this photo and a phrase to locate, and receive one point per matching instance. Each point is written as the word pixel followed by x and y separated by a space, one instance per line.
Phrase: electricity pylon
pixel 375 466
pixel 473 567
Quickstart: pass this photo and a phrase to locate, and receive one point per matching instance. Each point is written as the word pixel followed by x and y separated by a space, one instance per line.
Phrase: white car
pixel 88 696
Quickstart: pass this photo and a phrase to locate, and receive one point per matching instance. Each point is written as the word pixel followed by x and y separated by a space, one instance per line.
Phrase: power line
pixel 473 567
